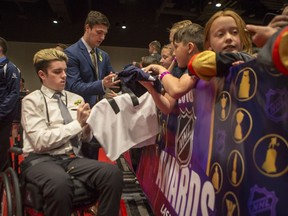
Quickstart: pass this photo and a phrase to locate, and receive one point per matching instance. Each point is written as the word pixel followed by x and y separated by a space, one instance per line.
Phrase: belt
pixel 39 160
pixel 64 156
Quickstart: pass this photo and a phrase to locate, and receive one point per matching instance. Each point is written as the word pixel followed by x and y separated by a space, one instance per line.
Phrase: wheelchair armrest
pixel 16 150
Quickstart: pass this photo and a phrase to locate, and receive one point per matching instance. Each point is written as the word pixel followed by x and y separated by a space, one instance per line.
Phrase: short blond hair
pixel 178 25
pixel 44 57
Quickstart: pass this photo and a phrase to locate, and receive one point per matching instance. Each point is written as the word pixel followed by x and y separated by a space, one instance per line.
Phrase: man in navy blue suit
pixel 89 75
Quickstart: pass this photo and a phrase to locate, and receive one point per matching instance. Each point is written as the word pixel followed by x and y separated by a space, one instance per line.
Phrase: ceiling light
pixel 218 4
pixel 56 19
pixel 123 25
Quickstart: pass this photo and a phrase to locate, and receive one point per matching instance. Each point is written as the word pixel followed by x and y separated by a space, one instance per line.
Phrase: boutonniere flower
pixel 100 56
pixel 77 102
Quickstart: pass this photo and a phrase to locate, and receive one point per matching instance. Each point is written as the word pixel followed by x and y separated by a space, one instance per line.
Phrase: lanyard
pixel 46 105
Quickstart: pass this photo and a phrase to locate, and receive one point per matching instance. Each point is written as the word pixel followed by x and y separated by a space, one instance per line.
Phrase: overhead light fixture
pixel 218 4
pixel 57 19
pixel 123 26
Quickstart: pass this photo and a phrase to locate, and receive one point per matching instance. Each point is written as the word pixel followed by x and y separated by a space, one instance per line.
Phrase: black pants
pixel 5 132
pixel 57 187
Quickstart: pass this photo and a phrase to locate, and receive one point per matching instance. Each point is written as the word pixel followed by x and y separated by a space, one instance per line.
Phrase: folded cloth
pixel 132 74
pixel 129 125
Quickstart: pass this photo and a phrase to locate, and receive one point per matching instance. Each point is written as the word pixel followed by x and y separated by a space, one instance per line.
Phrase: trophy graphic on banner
pixel 234 170
pixel 215 178
pixel 244 87
pixel 271 156
pixel 230 207
pixel 238 130
pixel 223 106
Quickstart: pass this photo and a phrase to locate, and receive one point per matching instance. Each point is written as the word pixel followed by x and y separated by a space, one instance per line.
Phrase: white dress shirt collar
pixel 87 46
pixel 49 92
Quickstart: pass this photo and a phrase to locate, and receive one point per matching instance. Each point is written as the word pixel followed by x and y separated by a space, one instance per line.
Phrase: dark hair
pixel 191 33
pixel 96 18
pixel 62 46
pixel 147 60
pixel 3 44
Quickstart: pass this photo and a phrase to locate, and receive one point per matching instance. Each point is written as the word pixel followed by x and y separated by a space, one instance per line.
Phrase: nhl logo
pixel 276 104
pixel 183 147
pixel 262 201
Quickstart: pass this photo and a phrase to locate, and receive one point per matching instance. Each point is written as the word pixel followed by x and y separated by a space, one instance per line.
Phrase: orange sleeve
pixel 280 51
pixel 203 65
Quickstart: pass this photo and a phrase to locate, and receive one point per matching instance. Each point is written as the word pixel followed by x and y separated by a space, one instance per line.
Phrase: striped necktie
pixel 94 61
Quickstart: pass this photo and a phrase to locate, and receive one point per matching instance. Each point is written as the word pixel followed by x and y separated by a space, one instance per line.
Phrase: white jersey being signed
pixel 124 122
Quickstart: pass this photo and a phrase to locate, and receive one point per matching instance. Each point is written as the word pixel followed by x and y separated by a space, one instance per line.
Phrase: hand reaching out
pixel 111 94
pixel 155 69
pixel 110 81
pixel 261 33
pixel 280 21
pixel 83 113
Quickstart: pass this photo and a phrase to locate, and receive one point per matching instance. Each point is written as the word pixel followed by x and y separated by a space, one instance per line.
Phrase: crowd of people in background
pixel 83 74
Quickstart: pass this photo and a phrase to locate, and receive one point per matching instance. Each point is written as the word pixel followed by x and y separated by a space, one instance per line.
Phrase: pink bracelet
pixel 163 74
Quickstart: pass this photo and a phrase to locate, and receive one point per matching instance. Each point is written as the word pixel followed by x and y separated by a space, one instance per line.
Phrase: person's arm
pixel 165 103
pixel 13 86
pixel 175 87
pixel 280 21
pixel 172 65
pixel 76 83
pixel 86 134
pixel 36 129
pixel 83 112
pixel 275 53
pixel 79 76
pixel 208 64
pixel 261 34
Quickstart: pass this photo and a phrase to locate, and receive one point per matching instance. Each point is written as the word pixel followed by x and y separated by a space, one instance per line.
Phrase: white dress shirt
pixel 43 129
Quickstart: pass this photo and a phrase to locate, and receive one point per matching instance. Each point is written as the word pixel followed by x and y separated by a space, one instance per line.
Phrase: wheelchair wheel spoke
pixel 6 199
pixel 15 192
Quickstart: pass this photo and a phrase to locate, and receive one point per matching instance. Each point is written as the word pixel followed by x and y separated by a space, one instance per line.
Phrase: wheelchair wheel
pixel 6 199
pixel 15 192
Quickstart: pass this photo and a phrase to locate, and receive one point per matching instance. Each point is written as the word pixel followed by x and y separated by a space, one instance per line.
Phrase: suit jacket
pixel 81 78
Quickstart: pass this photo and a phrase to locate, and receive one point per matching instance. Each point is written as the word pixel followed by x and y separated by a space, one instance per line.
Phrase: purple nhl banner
pixel 249 158
pixel 173 172
pixel 223 150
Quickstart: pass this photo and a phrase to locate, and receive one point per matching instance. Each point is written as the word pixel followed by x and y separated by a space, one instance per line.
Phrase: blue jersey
pixel 9 90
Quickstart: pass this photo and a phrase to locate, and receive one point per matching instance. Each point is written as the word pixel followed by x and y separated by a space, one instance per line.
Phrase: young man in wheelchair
pixel 52 142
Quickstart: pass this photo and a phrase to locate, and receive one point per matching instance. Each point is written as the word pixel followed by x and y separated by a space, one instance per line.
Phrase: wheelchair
pixel 20 198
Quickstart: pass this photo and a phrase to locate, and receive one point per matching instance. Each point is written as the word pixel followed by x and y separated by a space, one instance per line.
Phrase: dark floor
pixel 135 200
